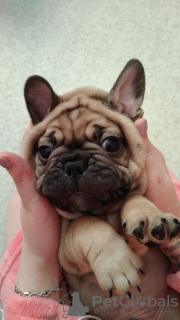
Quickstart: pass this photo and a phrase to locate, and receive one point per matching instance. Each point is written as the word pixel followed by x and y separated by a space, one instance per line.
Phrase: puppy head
pixel 84 147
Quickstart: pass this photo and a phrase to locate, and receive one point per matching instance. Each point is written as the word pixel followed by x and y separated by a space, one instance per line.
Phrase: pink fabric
pixel 23 308
pixel 173 277
pixel 16 307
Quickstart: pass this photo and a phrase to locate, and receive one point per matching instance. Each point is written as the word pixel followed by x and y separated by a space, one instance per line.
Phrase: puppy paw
pixel 117 268
pixel 152 227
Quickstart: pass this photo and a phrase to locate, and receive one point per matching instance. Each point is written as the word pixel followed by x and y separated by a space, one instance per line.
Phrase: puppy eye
pixel 44 152
pixel 112 145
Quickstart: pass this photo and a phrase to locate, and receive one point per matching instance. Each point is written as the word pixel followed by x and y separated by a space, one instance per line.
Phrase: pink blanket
pixel 19 308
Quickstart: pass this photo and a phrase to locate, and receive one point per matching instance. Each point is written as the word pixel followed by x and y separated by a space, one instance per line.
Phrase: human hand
pixel 39 266
pixel 160 188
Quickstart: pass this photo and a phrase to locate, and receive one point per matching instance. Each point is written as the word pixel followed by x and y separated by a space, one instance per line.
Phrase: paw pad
pixel 138 232
pixel 158 232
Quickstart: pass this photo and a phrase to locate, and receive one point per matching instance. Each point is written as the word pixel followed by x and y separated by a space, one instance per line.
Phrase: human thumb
pixel 142 126
pixel 23 176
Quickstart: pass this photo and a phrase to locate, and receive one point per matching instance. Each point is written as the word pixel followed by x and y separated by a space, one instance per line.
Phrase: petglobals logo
pixel 1 314
pixel 124 301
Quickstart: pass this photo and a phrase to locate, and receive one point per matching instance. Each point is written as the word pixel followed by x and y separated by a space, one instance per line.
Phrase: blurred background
pixel 75 43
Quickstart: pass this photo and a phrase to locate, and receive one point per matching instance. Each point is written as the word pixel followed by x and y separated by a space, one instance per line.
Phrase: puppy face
pixel 84 148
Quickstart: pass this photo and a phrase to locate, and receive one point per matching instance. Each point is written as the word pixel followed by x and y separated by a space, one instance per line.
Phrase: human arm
pixel 41 231
pixel 38 266
pixel 161 190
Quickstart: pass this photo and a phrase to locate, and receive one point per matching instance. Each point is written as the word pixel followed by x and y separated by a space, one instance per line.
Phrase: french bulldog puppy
pixel 89 160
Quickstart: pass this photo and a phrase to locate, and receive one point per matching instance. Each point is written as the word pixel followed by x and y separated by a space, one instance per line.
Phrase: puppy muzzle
pixel 78 182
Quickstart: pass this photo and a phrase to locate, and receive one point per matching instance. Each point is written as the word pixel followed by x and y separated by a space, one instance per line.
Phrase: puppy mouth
pixel 95 190
pixel 89 203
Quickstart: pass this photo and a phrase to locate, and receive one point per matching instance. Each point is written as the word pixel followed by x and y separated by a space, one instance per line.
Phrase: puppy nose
pixel 75 163
pixel 74 168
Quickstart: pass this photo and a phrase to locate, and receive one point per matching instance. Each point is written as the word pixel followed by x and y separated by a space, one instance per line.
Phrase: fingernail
pixel 142 127
pixel 5 163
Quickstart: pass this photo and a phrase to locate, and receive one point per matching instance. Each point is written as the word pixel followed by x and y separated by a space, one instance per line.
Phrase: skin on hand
pixel 40 221
pixel 39 266
pixel 160 188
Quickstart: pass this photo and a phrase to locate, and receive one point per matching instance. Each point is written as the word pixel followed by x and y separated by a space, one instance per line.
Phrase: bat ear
pixel 40 98
pixel 128 91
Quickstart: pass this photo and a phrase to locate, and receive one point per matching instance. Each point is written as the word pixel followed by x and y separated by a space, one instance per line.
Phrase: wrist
pixel 37 274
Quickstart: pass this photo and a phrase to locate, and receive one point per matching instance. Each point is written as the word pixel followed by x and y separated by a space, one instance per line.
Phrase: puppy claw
pixel 140 270
pixel 151 244
pixel 163 220
pixel 176 221
pixel 124 226
pixel 175 231
pixel 129 294
pixel 139 289
pixel 129 282
pixel 110 293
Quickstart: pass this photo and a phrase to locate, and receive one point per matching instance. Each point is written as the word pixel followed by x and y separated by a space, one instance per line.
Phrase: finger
pixel 28 128
pixel 24 178
pixel 142 126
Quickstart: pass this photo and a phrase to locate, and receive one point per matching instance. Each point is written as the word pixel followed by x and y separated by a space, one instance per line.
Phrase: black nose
pixel 74 168
pixel 75 163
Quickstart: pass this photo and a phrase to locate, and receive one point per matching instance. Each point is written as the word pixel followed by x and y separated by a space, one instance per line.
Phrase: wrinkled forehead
pixel 79 124
pixel 80 118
